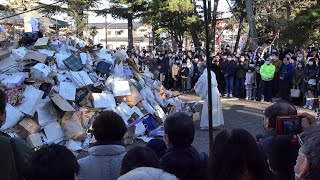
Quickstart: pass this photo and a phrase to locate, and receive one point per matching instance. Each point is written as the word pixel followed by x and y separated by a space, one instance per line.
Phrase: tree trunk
pixel 214 23
pixel 130 35
pixel 130 27
pixel 252 25
pixel 195 29
pixel 236 46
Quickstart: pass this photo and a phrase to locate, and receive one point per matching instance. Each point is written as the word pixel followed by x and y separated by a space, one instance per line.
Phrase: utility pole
pixel 208 73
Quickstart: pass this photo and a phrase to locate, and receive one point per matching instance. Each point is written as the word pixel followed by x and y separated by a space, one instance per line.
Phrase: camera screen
pixel 291 127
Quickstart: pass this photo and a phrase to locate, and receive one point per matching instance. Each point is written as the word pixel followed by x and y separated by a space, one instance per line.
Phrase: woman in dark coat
pixel 297 82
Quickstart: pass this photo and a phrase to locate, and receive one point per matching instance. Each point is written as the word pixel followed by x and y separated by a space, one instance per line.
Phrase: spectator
pixel 286 73
pixel 106 154
pixel 149 173
pixel 282 156
pixel 235 155
pixel 163 67
pixel 217 71
pixel 184 74
pixel 51 163
pixel 229 68
pixel 298 83
pixel 267 71
pixel 181 159
pixel 308 162
pixel 158 146
pixel 191 73
pixel 139 157
pixel 257 84
pixel 277 64
pixel 309 78
pixel 15 153
pixel 280 108
pixel 175 73
pixel 249 82
pixel 242 68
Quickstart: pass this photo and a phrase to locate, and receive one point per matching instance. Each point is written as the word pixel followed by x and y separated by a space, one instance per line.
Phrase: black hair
pixel 234 155
pixel 109 126
pixel 280 108
pixel 51 163
pixel 3 101
pixel 139 157
pixel 180 130
pixel 158 146
pixel 282 155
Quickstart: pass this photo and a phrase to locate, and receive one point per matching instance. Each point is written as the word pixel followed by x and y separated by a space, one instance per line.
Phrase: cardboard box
pixel 42 43
pixel 132 99
pixel 4 53
pixel 61 102
pixel 31 101
pixel 26 127
pixel 34 55
pixel 54 132
pixel 34 140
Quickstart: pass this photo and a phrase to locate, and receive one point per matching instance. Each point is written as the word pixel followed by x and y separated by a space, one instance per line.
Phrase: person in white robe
pixel 201 88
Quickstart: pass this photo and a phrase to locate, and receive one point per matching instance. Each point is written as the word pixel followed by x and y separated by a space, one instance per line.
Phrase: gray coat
pixel 103 163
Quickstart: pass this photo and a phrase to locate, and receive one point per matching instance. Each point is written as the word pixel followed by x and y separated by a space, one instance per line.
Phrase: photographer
pixel 268 141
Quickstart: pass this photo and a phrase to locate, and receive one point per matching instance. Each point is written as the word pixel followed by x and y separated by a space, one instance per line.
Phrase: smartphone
pixel 288 125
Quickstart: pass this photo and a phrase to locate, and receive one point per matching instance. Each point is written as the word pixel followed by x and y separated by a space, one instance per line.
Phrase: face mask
pixel 170 55
pixel 174 56
pixel 161 58
pixel 267 62
pixel 310 63
pixel 184 56
pixel 229 59
pixel 299 66
pixel 249 71
pixel 299 59
pixel 224 57
pixel 241 59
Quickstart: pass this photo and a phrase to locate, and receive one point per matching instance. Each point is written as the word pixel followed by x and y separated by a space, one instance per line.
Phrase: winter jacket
pixel 175 70
pixel 229 67
pixel 310 72
pixel 163 65
pixel 242 69
pixel 186 163
pixel 286 71
pixel 103 163
pixel 277 63
pixel 297 78
pixel 267 72
pixel 15 155
pixel 250 78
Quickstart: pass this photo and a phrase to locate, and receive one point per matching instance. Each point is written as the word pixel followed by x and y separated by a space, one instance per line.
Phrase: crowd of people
pixel 260 75
pixel 235 154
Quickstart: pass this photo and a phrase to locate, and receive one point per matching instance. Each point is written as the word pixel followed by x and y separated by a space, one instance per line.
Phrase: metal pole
pixel 208 74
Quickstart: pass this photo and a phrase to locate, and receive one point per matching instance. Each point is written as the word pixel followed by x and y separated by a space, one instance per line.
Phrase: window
pixel 118 32
pixel 109 33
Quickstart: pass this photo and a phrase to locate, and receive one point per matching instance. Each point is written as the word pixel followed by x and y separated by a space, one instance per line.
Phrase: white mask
pixel 310 63
pixel 267 62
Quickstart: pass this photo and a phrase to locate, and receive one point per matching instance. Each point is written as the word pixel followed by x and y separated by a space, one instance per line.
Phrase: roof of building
pixel 136 25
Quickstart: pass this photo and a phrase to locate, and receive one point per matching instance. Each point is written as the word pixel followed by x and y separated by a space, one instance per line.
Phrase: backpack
pixel 184 72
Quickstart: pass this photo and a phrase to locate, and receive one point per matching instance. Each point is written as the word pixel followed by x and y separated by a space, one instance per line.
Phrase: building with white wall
pixel 115 35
